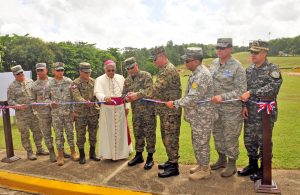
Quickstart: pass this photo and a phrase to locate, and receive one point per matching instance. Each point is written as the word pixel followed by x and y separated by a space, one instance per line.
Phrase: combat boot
pixel 41 152
pixel 30 155
pixel 52 155
pixel 221 163
pixel 164 165
pixel 250 169
pixel 66 155
pixel 149 162
pixel 74 155
pixel 258 175
pixel 230 168
pixel 195 169
pixel 82 156
pixel 137 159
pixel 202 173
pixel 93 154
pixel 171 170
pixel 60 158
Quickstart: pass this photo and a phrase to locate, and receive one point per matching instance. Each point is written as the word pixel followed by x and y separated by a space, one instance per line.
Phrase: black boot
pixel 171 170
pixel 82 156
pixel 258 175
pixel 137 159
pixel 93 154
pixel 149 162
pixel 250 169
pixel 164 165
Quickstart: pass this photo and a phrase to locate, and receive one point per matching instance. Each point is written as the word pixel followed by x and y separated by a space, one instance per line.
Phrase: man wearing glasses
pixel 114 136
pixel 167 87
pixel 19 94
pixel 263 82
pixel 143 113
pixel 200 116
pixel 58 91
pixel 87 115
pixel 229 80
pixel 43 112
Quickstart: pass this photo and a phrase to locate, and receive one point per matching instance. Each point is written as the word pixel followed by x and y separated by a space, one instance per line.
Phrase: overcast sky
pixel 147 23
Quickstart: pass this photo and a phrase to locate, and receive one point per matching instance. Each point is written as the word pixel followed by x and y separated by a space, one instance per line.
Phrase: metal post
pixel 267 185
pixel 10 156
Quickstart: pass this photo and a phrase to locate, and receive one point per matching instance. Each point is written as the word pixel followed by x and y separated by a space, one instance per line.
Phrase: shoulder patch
pixel 194 85
pixel 275 74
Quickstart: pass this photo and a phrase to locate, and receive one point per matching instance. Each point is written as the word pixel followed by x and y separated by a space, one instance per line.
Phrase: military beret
pixel 16 69
pixel 40 66
pixel 85 67
pixel 258 46
pixel 58 66
pixel 156 51
pixel 224 42
pixel 129 62
pixel 195 53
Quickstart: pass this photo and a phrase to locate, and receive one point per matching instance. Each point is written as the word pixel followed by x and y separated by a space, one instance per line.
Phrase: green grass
pixel 286 134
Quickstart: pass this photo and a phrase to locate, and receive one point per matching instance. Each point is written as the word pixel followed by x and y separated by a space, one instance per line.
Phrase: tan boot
pixel 202 173
pixel 60 158
pixel 195 169
pixel 74 155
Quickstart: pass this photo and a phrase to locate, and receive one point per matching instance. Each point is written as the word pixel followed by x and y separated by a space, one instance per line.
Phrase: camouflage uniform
pixel 87 117
pixel 200 116
pixel 143 113
pixel 43 112
pixel 20 93
pixel 167 87
pixel 60 91
pixel 230 82
pixel 262 82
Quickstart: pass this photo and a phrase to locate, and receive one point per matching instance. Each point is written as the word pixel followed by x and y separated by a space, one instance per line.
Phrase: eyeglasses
pixel 60 70
pixel 19 73
pixel 130 68
pixel 254 52
pixel 40 70
pixel 221 48
pixel 110 70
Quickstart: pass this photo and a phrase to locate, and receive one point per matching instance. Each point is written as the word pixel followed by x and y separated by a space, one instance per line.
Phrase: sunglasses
pixel 59 70
pixel 110 70
pixel 130 68
pixel 40 70
pixel 19 73
pixel 254 52
pixel 221 48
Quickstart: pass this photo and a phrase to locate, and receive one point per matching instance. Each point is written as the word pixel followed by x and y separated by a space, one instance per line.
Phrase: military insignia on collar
pixel 73 86
pixel 275 74
pixel 194 85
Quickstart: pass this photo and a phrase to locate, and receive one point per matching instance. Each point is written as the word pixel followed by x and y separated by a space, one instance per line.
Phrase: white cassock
pixel 113 135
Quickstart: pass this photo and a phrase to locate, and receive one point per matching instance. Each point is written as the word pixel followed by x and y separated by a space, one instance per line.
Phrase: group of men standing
pixel 212 104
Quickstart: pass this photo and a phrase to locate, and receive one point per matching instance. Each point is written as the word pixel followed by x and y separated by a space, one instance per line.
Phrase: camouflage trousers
pixel 253 131
pixel 45 122
pixel 61 122
pixel 144 128
pixel 84 124
pixel 227 129
pixel 26 122
pixel 170 131
pixel 201 131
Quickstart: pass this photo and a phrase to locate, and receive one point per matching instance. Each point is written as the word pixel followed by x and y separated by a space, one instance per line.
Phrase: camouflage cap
pixel 58 66
pixel 39 66
pixel 194 53
pixel 16 69
pixel 224 42
pixel 130 62
pixel 156 51
pixel 85 67
pixel 258 46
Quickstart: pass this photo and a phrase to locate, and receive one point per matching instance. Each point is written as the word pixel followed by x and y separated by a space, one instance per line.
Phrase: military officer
pixel 229 80
pixel 87 115
pixel 200 116
pixel 143 113
pixel 166 87
pixel 263 83
pixel 19 94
